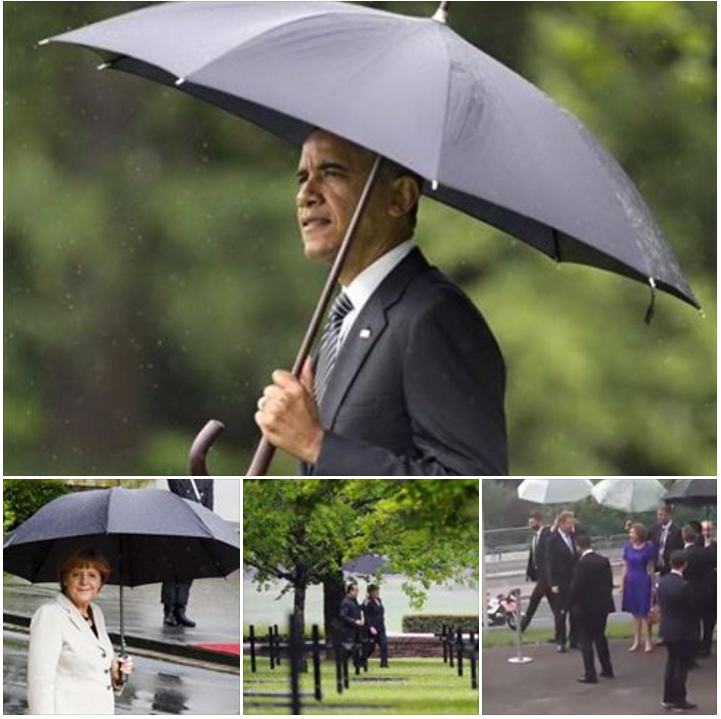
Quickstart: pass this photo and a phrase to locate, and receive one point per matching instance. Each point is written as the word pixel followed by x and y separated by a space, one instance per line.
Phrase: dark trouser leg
pixel 604 653
pixel 382 640
pixel 182 593
pixel 560 613
pixel 585 637
pixel 708 622
pixel 540 590
pixel 167 594
pixel 670 673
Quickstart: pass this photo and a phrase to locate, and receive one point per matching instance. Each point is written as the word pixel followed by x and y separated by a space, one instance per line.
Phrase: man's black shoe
pixel 561 649
pixel 686 706
pixel 587 680
pixel 169 619
pixel 608 675
pixel 183 620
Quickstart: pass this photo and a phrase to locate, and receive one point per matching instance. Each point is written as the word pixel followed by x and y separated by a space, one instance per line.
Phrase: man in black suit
pixel 666 538
pixel 679 630
pixel 591 601
pixel 375 620
pixel 562 560
pixel 410 380
pixel 536 569
pixel 708 616
pixel 351 624
pixel 699 573
pixel 175 595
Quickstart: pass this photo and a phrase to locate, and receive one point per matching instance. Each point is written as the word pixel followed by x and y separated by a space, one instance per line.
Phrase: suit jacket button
pixel 107 671
pixel 109 687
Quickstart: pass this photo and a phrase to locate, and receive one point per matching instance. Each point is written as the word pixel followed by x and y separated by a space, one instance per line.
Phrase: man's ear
pixel 404 196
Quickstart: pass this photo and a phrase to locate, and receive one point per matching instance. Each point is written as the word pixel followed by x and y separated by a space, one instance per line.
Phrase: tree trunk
pixel 299 604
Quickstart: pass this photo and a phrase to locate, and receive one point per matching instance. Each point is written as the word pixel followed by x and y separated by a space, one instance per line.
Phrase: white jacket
pixel 68 666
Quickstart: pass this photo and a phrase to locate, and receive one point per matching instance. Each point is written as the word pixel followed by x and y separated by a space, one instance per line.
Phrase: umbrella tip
pixel 103 66
pixel 45 41
pixel 441 14
pixel 179 81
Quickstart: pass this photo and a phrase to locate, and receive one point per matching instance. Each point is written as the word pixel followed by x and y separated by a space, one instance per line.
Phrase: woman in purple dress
pixel 637 584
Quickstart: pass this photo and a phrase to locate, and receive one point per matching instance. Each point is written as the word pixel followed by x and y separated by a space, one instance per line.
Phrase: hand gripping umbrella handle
pixel 265 450
pixel 201 446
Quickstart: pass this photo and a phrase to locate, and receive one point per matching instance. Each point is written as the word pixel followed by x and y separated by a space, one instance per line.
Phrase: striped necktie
pixel 329 344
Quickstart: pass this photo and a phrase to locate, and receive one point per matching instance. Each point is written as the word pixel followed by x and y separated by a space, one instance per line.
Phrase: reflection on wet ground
pixel 157 687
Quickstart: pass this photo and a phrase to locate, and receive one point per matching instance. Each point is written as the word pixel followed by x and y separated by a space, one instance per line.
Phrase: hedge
pixel 23 497
pixel 433 623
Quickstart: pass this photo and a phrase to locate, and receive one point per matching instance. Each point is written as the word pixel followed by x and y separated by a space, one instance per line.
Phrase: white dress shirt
pixel 361 289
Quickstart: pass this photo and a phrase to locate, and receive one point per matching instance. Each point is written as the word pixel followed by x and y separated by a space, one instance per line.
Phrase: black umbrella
pixel 693 492
pixel 485 140
pixel 367 564
pixel 147 536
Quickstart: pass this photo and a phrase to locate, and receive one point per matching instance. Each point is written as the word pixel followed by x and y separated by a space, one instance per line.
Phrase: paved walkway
pixel 214 605
pixel 548 684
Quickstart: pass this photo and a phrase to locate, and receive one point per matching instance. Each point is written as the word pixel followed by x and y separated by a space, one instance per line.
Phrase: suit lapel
pixel 365 332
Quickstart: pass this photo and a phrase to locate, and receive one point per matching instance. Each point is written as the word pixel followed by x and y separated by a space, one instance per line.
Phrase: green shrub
pixel 24 497
pixel 433 623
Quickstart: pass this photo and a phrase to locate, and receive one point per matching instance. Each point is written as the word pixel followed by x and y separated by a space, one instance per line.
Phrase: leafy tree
pixel 25 496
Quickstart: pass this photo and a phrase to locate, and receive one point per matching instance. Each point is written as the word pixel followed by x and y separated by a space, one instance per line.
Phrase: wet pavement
pixel 156 687
pixel 214 605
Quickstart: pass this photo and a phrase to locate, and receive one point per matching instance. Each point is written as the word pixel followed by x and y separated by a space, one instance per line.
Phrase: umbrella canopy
pixel 693 492
pixel 554 491
pixel 485 140
pixel 629 495
pixel 147 536
pixel 367 564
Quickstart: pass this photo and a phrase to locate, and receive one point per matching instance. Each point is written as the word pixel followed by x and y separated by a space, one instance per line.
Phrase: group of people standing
pixel 362 626
pixel 669 576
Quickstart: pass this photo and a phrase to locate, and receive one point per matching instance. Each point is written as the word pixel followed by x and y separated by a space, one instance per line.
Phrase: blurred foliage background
pixel 154 276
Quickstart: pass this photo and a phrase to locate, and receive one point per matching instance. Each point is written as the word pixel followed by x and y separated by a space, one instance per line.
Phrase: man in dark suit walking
pixel 537 569
pixel 666 538
pixel 410 380
pixel 679 630
pixel 175 595
pixel 376 624
pixel 708 616
pixel 562 560
pixel 351 624
pixel 591 601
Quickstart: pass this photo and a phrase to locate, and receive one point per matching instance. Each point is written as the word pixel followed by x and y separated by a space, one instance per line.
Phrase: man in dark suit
pixel 591 601
pixel 562 560
pixel 666 538
pixel 708 616
pixel 536 569
pixel 409 380
pixel 175 595
pixel 351 624
pixel 376 624
pixel 699 573
pixel 679 630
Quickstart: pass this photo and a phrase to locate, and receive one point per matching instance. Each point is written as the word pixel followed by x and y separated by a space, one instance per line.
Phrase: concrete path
pixel 548 685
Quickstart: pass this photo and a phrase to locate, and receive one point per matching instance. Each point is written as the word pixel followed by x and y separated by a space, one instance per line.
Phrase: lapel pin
pixel 365 333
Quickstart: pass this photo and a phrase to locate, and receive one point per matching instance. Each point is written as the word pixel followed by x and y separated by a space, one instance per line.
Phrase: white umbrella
pixel 554 491
pixel 629 495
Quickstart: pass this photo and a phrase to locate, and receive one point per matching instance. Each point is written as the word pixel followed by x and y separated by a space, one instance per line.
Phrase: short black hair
pixel 350 586
pixel 583 540
pixel 689 533
pixel 677 559
pixel 536 515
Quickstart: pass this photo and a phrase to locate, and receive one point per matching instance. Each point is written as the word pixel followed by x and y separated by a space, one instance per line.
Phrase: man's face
pixel 567 525
pixel 353 592
pixel 534 523
pixel 663 516
pixel 331 175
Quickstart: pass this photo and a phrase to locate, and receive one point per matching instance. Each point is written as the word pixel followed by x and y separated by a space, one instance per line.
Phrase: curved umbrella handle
pixel 202 443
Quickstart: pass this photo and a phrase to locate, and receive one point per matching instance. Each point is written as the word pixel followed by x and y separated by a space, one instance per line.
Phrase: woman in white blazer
pixel 72 668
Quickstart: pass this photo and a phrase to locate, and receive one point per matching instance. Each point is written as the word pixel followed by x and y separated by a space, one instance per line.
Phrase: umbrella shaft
pixel 265 450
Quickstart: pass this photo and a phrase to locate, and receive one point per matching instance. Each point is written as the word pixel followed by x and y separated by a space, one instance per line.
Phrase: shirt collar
pixel 588 551
pixel 367 282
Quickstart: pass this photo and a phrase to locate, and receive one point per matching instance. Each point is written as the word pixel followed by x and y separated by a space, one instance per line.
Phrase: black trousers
pixel 540 590
pixel 175 594
pixel 678 664
pixel 708 623
pixel 562 616
pixel 591 631
pixel 380 639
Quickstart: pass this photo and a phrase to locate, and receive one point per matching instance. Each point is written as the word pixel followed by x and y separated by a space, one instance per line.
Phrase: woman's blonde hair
pixel 85 557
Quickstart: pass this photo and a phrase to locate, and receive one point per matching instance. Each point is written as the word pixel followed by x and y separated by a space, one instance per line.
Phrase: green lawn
pixel 538 636
pixel 417 686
